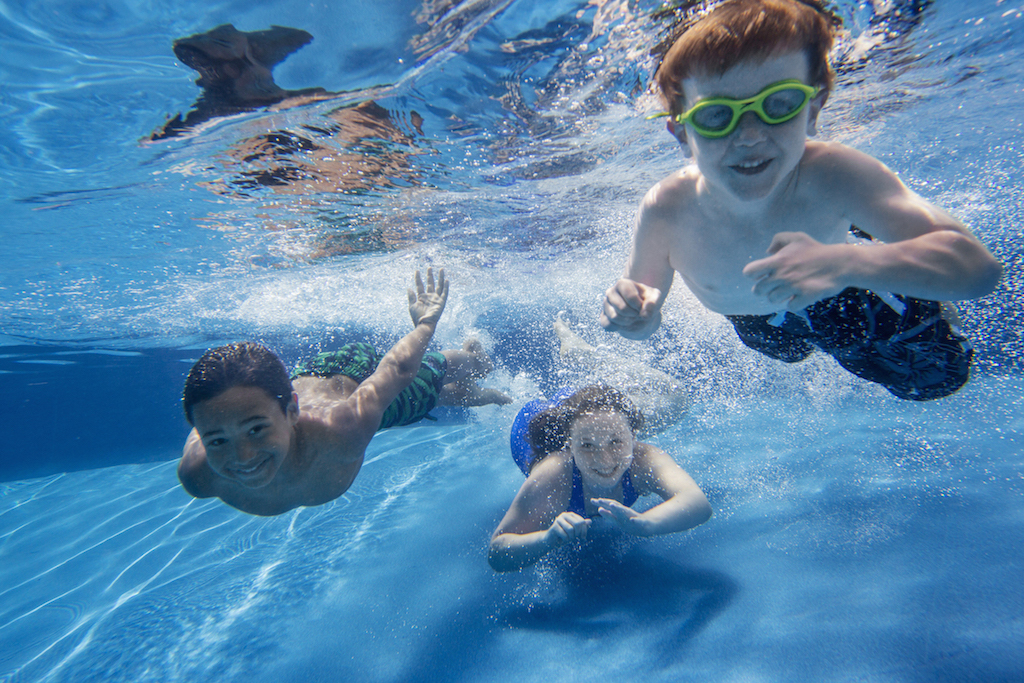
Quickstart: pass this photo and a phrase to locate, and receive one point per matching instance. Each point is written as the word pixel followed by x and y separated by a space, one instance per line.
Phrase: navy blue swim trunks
pixel 914 353
pixel 359 360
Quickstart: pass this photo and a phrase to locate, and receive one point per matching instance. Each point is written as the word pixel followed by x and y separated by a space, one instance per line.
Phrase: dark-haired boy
pixel 744 86
pixel 266 443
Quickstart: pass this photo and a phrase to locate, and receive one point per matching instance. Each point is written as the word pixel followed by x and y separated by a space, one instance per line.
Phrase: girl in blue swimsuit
pixel 582 462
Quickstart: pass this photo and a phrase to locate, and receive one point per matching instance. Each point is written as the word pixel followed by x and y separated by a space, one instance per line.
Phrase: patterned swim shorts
pixel 915 352
pixel 359 360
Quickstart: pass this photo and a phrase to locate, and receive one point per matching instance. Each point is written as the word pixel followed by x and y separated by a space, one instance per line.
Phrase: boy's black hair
pixel 242 364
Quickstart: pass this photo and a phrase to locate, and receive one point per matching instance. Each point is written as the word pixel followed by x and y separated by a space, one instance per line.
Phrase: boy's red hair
pixel 739 30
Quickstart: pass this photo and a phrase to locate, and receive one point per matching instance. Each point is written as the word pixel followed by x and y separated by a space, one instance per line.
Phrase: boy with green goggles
pixel 760 226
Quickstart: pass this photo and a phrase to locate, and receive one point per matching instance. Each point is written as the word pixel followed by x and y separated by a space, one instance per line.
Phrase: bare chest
pixel 710 256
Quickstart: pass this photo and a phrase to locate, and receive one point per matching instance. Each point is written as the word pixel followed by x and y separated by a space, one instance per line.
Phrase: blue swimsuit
pixel 579 506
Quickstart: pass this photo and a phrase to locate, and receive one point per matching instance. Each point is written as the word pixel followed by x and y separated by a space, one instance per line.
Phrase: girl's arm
pixel 685 505
pixel 536 523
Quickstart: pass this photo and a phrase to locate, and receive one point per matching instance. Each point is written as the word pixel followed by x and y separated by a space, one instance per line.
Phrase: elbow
pixel 499 560
pixel 989 274
pixel 981 271
pixel 703 512
pixel 981 281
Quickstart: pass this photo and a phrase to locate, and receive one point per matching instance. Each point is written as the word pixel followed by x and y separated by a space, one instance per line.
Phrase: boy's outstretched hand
pixel 427 303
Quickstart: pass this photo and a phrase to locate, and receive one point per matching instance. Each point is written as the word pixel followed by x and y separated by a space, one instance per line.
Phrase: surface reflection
pixel 358 148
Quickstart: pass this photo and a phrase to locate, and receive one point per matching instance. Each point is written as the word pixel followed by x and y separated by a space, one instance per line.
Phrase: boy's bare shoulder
pixel 673 193
pixel 833 162
pixel 194 473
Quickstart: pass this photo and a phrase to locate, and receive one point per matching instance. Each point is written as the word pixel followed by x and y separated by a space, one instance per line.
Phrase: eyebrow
pixel 254 418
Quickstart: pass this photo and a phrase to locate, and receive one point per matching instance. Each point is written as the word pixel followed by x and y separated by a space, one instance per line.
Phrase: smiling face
pixel 601 444
pixel 757 158
pixel 246 435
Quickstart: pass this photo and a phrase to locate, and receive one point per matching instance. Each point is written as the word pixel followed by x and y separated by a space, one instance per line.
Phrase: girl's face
pixel 601 444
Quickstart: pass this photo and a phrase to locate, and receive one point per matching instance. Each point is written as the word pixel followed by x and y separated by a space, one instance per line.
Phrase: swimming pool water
pixel 855 537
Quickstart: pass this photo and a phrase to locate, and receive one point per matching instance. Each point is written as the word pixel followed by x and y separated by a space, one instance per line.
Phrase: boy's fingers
pixel 630 294
pixel 758 269
pixel 412 297
pixel 623 298
pixel 650 301
pixel 419 282
pixel 782 239
pixel 430 279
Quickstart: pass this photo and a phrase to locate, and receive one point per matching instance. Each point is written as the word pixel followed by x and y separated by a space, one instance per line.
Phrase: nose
pixel 244 453
pixel 750 130
pixel 606 458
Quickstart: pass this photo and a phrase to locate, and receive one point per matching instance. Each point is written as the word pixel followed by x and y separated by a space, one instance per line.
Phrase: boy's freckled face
pixel 754 159
pixel 246 434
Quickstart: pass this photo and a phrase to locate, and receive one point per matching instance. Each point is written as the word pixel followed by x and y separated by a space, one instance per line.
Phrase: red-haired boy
pixel 744 86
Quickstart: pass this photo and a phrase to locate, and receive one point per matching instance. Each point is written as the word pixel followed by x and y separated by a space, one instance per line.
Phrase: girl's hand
pixel 568 526
pixel 626 518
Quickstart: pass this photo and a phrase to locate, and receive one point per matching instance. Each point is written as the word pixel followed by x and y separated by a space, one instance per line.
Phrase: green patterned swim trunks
pixel 359 360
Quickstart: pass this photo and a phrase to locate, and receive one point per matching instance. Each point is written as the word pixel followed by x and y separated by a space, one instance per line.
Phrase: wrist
pixel 861 265
pixel 642 526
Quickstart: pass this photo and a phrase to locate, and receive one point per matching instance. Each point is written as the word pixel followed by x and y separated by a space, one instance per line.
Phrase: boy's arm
pixel 685 505
pixel 632 306
pixel 399 366
pixel 926 254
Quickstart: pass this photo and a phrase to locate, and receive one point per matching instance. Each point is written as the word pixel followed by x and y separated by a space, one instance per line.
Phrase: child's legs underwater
pixel 465 366
pixel 662 398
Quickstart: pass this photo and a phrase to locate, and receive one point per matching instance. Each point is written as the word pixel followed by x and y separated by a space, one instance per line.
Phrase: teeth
pixel 749 164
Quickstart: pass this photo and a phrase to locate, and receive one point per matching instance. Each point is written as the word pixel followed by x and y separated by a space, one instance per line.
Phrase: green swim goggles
pixel 719 116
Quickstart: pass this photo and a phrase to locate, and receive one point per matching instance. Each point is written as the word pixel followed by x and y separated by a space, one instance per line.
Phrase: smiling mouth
pixel 250 471
pixel 751 167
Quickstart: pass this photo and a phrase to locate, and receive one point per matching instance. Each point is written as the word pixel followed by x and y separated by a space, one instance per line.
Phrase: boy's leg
pixel 468 393
pixel 917 353
pixel 469 362
pixel 465 366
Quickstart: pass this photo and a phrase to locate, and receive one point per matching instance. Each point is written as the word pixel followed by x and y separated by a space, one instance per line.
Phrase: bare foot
pixel 573 345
